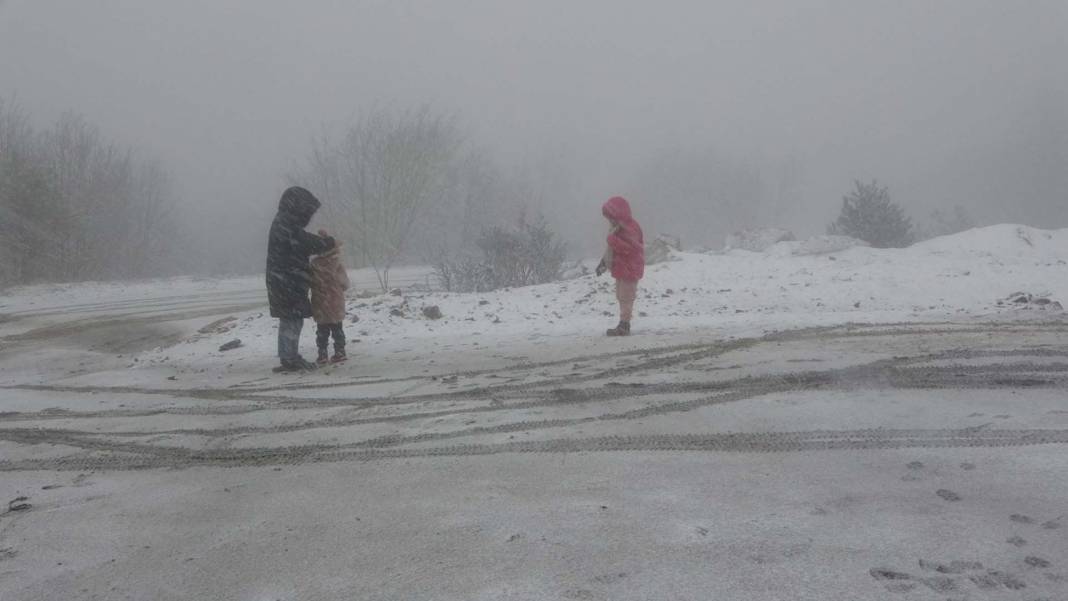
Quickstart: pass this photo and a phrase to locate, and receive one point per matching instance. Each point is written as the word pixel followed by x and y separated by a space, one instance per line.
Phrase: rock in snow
pixel 1026 300
pixel 229 346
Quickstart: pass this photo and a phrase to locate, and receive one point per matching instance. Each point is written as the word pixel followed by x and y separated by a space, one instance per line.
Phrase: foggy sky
pixel 948 102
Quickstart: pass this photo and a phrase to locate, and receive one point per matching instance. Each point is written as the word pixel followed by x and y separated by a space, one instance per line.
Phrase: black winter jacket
pixel 289 249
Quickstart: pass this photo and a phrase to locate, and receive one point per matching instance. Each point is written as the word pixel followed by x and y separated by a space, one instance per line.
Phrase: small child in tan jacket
pixel 328 285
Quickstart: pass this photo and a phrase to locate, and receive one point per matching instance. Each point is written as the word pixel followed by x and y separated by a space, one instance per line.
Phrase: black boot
pixel 623 329
pixel 323 357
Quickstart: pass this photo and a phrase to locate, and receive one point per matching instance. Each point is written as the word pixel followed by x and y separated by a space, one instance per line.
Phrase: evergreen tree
pixel 869 215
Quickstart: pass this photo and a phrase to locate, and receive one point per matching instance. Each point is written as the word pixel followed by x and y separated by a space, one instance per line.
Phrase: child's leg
pixel 338 332
pixel 626 294
pixel 322 337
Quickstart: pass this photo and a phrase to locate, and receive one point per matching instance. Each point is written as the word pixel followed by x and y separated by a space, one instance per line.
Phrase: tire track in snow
pixel 854 440
pixel 101 448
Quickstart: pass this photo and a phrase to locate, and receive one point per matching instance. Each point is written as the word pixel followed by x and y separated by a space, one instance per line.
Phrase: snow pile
pixel 999 243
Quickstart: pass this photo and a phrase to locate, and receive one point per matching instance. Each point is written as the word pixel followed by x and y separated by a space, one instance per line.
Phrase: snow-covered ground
pixel 865 424
pixel 736 293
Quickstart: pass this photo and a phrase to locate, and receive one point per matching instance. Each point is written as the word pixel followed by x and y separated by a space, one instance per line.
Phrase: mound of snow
pixel 1006 241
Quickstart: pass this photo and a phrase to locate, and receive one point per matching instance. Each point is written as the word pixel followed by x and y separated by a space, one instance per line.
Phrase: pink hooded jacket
pixel 626 242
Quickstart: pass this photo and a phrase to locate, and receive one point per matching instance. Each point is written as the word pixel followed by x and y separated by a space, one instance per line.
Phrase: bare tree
pixel 116 211
pixel 474 195
pixel 22 181
pixel 77 207
pixel 380 177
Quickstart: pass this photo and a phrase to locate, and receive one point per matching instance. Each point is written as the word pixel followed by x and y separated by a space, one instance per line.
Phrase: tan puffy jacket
pixel 328 286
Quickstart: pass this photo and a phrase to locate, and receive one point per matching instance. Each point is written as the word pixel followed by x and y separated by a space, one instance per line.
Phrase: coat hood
pixel 298 205
pixel 618 209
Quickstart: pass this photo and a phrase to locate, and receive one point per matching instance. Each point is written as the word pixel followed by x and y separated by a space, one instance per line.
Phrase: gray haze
pixel 954 102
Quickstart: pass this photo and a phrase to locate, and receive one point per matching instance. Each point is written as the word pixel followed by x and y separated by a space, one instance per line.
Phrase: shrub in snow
pixel 758 239
pixel 868 214
pixel 465 274
pixel 525 255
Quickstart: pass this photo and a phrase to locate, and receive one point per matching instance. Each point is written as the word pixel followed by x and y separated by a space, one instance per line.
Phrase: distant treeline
pixel 74 206
pixel 397 187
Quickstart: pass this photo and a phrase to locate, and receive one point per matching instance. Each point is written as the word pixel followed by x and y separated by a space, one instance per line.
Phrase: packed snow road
pixel 920 461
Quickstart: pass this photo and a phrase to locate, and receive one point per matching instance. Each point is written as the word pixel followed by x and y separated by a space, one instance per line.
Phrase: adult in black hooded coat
pixel 289 249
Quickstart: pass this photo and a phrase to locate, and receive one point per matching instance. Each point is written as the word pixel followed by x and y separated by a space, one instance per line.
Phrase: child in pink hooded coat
pixel 625 257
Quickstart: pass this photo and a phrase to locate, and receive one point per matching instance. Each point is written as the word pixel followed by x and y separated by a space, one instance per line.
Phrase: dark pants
pixel 323 333
pixel 289 338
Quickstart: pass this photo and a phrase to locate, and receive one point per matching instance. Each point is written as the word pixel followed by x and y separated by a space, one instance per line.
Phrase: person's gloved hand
pixel 330 241
pixel 601 267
